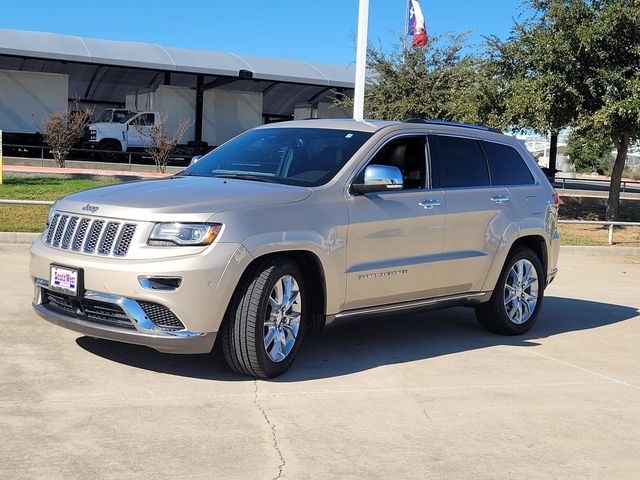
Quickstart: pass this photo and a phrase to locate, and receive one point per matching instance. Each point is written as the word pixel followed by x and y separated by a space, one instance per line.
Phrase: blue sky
pixel 320 31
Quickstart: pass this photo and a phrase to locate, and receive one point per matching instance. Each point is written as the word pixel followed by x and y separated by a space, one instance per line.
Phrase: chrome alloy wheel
pixel 283 318
pixel 521 291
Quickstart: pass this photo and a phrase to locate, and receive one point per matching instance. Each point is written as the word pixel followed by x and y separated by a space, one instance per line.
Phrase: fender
pixel 523 228
pixel 330 251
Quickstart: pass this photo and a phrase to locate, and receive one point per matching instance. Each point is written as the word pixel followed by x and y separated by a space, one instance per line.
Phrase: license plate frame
pixel 67 278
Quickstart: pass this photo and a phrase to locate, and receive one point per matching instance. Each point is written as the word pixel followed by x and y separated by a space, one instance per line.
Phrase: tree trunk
pixel 613 203
pixel 553 153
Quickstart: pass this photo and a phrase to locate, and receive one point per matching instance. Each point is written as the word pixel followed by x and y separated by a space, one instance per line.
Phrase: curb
pixel 599 251
pixel 18 237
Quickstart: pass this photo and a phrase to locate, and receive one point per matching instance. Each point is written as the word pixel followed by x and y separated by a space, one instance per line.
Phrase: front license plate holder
pixel 67 280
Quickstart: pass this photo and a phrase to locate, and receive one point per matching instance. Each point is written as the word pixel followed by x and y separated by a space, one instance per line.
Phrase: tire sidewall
pixel 524 254
pixel 269 367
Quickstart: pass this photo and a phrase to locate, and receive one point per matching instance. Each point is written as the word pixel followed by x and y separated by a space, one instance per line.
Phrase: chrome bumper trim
pixel 146 333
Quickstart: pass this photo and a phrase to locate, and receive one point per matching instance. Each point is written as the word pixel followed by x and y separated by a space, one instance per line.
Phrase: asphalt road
pixel 422 396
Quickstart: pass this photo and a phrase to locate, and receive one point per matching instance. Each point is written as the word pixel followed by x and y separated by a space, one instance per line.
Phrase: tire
pixel 111 146
pixel 495 314
pixel 251 320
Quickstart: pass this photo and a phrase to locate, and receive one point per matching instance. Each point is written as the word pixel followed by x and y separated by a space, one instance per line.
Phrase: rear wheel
pixel 516 301
pixel 265 323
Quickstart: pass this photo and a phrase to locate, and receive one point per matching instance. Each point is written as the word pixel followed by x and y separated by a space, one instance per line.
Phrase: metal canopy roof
pixel 53 46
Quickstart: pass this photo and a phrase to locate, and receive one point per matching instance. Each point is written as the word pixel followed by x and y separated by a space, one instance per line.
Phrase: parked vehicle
pixel 294 225
pixel 225 114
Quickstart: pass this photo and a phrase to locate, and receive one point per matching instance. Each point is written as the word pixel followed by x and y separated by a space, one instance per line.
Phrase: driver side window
pixel 408 155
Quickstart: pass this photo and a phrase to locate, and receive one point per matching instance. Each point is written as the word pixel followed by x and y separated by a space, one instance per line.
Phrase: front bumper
pixel 208 280
pixel 145 332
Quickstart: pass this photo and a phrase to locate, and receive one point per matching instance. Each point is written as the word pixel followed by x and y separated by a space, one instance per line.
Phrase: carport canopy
pixel 104 71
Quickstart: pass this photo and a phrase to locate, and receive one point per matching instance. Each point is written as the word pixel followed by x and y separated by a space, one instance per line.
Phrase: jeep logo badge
pixel 90 208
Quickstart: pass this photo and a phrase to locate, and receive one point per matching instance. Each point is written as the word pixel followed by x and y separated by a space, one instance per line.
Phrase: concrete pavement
pixel 421 396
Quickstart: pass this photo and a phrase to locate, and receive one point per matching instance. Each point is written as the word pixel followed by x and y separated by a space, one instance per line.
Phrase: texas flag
pixel 416 25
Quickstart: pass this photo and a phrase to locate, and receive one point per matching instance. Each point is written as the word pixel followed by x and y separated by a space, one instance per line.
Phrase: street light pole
pixel 361 60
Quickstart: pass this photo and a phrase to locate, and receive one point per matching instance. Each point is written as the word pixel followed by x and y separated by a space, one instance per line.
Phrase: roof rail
pixel 451 124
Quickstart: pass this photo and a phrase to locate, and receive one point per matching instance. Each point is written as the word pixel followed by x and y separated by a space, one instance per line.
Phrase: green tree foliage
pixel 438 81
pixel 611 46
pixel 589 151
pixel 539 63
pixel 577 62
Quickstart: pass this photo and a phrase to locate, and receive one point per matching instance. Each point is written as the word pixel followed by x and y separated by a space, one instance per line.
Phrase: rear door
pixel 395 238
pixel 478 213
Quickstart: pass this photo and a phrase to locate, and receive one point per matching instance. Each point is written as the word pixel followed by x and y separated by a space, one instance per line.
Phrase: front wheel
pixel 265 323
pixel 516 301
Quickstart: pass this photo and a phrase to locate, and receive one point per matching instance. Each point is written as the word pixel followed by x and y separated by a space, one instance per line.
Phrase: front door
pixel 395 238
pixel 139 130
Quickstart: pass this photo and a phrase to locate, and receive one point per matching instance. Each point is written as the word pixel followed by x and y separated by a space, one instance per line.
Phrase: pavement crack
pixel 274 435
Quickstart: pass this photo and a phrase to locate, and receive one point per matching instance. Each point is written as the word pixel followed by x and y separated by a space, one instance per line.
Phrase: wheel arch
pixel 534 237
pixel 314 278
pixel 109 140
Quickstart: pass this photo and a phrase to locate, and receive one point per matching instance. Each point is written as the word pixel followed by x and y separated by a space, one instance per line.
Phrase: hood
pixel 180 198
pixel 98 125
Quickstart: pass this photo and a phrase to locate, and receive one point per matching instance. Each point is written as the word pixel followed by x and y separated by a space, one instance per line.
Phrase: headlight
pixel 193 234
pixel 52 211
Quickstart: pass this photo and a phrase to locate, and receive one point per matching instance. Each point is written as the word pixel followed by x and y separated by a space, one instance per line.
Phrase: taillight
pixel 556 200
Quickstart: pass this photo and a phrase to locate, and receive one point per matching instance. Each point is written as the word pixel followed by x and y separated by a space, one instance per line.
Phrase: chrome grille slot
pixel 107 238
pixel 52 227
pixel 93 236
pixel 71 227
pixel 88 235
pixel 62 223
pixel 124 240
pixel 161 316
pixel 80 233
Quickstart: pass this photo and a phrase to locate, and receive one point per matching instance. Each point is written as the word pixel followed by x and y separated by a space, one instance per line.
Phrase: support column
pixel 199 108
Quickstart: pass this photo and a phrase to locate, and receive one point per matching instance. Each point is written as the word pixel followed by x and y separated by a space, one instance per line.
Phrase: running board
pixel 416 305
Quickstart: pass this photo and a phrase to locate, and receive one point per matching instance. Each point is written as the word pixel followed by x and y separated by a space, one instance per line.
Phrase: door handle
pixel 500 199
pixel 429 204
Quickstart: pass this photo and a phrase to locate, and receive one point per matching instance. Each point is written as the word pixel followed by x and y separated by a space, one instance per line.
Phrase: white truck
pixel 225 114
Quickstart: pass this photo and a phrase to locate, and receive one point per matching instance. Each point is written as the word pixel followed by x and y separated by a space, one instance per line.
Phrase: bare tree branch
pixel 61 131
pixel 161 144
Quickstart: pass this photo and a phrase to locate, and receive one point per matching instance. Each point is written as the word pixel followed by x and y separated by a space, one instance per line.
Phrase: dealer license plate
pixel 64 279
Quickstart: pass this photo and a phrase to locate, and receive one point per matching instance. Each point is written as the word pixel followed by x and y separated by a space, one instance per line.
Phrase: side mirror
pixel 379 178
pixel 195 159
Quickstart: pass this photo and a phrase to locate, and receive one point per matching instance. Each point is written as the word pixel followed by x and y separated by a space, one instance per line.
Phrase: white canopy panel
pixel 51 46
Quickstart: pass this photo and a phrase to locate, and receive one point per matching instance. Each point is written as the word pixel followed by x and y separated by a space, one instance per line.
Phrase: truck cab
pixel 121 130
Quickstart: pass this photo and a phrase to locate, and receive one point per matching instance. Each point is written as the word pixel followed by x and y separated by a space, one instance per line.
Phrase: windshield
pixel 116 116
pixel 295 156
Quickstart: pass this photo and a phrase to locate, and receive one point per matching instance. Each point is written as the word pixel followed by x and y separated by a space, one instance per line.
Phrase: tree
pixel 540 64
pixel 61 131
pixel 611 42
pixel 577 62
pixel 589 150
pixel 438 81
pixel 161 144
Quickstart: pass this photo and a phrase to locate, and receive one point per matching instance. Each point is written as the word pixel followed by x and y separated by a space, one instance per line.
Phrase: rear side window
pixel 506 165
pixel 457 162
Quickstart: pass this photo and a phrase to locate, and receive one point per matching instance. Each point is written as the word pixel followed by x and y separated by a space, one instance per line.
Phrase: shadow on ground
pixel 358 345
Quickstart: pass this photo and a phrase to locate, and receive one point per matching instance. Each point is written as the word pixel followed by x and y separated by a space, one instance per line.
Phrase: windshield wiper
pixel 245 176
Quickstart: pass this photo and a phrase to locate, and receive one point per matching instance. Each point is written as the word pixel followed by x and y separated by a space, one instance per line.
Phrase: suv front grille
pixel 89 236
pixel 88 310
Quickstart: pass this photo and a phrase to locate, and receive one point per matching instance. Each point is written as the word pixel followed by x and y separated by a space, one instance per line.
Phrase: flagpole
pixel 406 26
pixel 361 60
